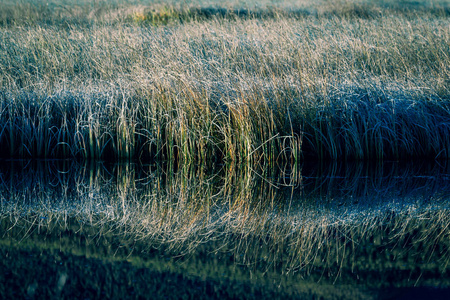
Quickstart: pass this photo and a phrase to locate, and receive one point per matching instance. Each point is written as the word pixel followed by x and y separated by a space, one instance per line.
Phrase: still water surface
pixel 328 231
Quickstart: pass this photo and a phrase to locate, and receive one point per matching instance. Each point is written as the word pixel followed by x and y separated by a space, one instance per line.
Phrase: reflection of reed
pixel 337 220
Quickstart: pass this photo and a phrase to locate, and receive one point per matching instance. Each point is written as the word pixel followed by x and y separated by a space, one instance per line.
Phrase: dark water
pixel 328 231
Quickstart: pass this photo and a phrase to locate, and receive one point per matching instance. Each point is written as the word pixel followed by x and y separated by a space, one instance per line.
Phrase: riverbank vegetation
pixel 220 83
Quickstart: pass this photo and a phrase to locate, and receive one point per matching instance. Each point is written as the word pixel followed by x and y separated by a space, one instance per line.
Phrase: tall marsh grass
pixel 356 80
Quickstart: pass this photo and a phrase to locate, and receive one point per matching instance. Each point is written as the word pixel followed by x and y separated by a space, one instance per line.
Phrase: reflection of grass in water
pixel 378 261
pixel 94 262
pixel 350 80
pixel 245 216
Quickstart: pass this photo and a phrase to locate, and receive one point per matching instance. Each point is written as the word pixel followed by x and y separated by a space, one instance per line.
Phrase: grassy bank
pixel 208 83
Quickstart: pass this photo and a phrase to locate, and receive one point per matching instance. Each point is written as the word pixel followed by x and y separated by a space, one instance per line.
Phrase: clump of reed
pixel 111 125
pixel 335 84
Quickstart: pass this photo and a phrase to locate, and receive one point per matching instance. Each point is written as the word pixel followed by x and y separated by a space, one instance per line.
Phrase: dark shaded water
pixel 330 231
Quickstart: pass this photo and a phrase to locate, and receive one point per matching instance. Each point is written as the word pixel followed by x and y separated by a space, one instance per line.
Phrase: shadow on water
pixel 317 231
